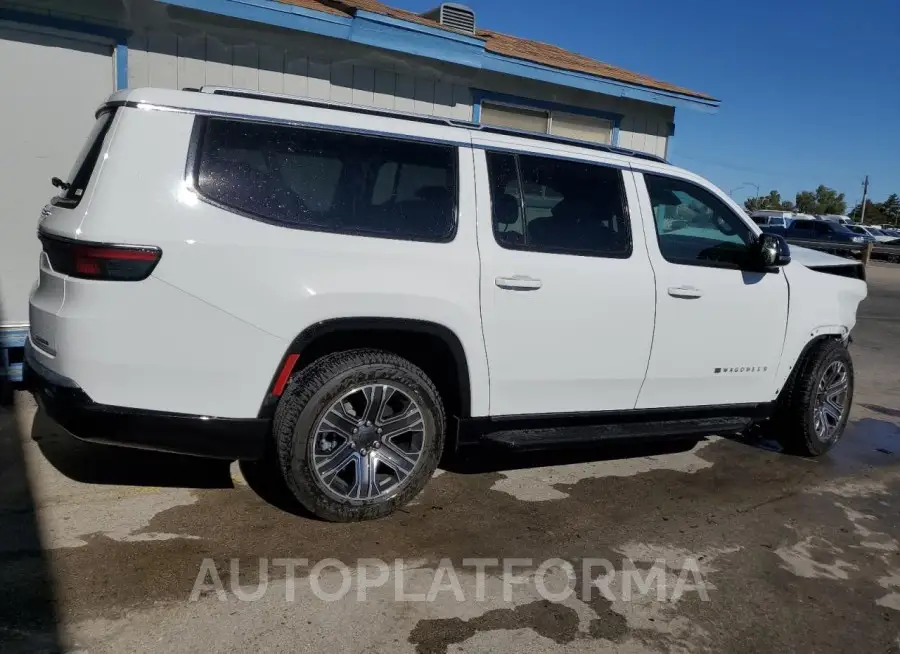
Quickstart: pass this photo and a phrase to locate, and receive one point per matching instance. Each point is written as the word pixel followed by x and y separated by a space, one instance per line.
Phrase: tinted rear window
pixel 329 181
pixel 558 206
pixel 87 159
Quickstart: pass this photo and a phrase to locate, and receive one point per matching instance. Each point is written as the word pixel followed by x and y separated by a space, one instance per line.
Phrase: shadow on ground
pixel 92 463
pixel 105 464
pixel 480 459
pixel 29 620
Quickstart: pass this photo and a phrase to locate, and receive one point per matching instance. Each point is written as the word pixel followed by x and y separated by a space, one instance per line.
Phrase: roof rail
pixel 467 124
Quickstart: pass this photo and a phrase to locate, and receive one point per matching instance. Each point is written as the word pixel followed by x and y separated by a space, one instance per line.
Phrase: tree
pixel 891 208
pixel 806 202
pixel 754 204
pixel 771 201
pixel 874 215
pixel 823 200
pixel 829 201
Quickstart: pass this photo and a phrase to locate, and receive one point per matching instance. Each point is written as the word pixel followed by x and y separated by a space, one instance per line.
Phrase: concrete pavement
pixel 101 549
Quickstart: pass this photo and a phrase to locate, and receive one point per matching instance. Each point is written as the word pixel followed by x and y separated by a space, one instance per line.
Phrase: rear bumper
pixel 70 406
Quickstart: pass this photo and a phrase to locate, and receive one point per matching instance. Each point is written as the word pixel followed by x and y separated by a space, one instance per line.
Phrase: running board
pixel 550 437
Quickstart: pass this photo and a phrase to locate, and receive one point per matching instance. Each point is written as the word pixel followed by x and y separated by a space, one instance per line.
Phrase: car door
pixel 567 292
pixel 824 232
pixel 801 229
pixel 719 327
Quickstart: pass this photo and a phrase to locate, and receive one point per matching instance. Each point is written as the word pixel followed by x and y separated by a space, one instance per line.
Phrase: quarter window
pixel 558 206
pixel 86 162
pixel 694 227
pixel 327 181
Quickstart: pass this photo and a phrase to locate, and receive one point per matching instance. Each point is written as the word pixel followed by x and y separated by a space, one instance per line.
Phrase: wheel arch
pixel 447 364
pixel 788 369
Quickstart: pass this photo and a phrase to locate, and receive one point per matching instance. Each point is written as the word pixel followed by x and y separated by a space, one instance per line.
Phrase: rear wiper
pixel 58 183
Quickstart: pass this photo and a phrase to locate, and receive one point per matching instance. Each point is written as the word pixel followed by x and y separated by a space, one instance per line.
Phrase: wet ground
pixel 710 546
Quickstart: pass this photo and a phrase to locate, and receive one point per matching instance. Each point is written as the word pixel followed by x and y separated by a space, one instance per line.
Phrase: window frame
pixel 697 263
pixel 88 159
pixel 515 154
pixel 195 156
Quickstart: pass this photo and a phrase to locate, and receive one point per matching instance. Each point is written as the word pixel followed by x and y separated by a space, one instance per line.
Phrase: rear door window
pixel 84 165
pixel 558 206
pixel 329 181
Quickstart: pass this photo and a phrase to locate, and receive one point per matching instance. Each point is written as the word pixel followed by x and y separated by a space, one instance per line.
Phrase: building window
pixel 527 120
pixel 583 128
pixel 568 125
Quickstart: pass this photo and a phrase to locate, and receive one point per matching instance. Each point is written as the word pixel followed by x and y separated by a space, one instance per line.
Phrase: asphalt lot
pixel 752 550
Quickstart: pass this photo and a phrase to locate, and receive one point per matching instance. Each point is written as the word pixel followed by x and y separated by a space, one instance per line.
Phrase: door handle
pixel 687 292
pixel 518 283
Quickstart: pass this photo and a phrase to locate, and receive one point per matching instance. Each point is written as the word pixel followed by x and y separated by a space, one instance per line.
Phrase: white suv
pixel 353 292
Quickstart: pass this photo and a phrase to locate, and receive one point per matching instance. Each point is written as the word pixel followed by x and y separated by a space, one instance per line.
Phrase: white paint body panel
pixel 205 334
pixel 809 257
pixel 722 347
pixel 580 342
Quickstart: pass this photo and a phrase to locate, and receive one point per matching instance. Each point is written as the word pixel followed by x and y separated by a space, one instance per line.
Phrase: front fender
pixel 821 305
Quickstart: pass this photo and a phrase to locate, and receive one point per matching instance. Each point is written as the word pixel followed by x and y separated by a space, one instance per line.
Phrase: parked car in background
pixel 835 218
pixel 825 230
pixel 876 235
pixel 774 222
pixel 891 232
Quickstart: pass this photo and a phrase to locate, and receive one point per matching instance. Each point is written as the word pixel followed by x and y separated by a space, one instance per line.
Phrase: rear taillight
pixel 123 263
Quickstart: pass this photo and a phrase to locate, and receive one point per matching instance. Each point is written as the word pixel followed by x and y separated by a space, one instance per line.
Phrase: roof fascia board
pixel 390 33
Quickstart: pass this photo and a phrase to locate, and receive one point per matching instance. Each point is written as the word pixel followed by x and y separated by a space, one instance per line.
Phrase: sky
pixel 810 89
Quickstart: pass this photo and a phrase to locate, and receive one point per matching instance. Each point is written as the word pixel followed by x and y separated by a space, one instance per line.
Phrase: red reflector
pixel 286 371
pixel 87 267
pixel 115 254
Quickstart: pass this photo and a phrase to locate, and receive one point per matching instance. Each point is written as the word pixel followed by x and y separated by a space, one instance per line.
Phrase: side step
pixel 550 437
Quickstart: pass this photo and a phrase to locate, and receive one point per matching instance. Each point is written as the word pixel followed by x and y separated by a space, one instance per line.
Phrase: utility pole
pixel 862 211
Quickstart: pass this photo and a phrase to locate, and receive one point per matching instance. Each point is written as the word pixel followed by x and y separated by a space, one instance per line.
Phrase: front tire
pixel 815 406
pixel 358 434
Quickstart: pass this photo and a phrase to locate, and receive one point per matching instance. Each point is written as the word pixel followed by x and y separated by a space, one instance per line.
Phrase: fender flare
pixel 293 354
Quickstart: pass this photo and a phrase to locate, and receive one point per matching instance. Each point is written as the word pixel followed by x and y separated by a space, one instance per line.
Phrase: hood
pixel 816 259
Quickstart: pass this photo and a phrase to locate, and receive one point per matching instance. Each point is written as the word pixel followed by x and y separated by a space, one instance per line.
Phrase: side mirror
pixel 771 251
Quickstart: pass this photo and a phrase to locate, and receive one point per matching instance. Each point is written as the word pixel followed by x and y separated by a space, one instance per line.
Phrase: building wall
pixel 165 59
pixel 175 48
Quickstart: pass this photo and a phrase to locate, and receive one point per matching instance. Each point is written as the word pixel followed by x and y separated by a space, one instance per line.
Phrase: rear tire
pixel 814 407
pixel 358 434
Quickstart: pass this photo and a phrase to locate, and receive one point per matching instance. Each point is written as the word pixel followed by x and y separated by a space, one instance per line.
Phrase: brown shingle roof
pixel 506 45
